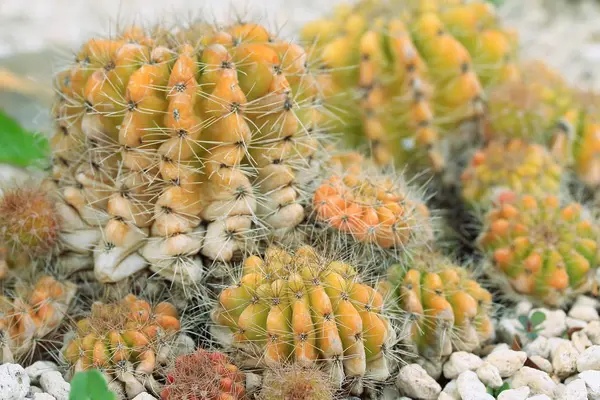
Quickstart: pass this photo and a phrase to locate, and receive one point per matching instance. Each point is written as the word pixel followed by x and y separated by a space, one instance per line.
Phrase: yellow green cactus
pixel 539 248
pixel 184 143
pixel 295 382
pixel 299 307
pixel 30 313
pixel 512 164
pixel 405 73
pixel 443 307
pixel 115 334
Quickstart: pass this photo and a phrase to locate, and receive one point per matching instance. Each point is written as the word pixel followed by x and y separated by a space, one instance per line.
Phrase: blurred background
pixel 38 36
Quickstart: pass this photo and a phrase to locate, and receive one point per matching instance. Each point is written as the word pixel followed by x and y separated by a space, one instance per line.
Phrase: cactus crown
pixel 294 382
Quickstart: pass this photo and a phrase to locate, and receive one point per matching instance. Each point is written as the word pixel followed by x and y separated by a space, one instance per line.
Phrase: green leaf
pixel 524 321
pixel 505 386
pixel 90 385
pixel 537 318
pixel 20 147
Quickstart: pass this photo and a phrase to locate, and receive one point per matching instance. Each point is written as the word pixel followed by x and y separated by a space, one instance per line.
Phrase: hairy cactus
pixel 295 382
pixel 299 307
pixel 29 223
pixel 513 164
pixel 182 144
pixel 540 248
pixel 407 72
pixel 29 313
pixel 358 205
pixel 204 375
pixel 442 307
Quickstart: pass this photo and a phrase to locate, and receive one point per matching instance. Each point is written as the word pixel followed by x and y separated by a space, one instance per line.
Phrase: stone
pixel 544 364
pixel 506 329
pixel 413 381
pixel 555 323
pixel 592 331
pixel 592 383
pixel 538 381
pixel 45 396
pixel 460 362
pixel 580 341
pixel 507 361
pixel 390 393
pixel 446 396
pixel 583 300
pixel 515 394
pixel 539 397
pixel 489 375
pixel 523 307
pixel 14 382
pixel 538 347
pixel 575 323
pixel 36 369
pixel 144 396
pixel 499 347
pixel 589 359
pixel 433 369
pixel 554 342
pixel 53 383
pixel 470 387
pixel 253 382
pixel 584 313
pixel 451 389
pixel 564 360
pixel 574 390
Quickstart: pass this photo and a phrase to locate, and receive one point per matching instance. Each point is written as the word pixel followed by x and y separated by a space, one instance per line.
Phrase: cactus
pixel 183 144
pixel 512 164
pixel 443 307
pixel 204 375
pixel 539 248
pixel 294 382
pixel 29 224
pixel 300 307
pixel 29 313
pixel 358 205
pixel 404 73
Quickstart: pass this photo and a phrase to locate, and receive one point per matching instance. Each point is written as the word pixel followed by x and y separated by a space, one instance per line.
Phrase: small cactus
pixel 444 308
pixel 29 222
pixel 513 164
pixel 30 313
pixel 204 375
pixel 294 382
pixel 300 307
pixel 540 248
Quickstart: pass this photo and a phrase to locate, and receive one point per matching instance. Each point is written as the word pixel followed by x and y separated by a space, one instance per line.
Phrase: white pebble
pixel 253 382
pixel 580 341
pixel 539 397
pixel 538 381
pixel 413 381
pixel 523 307
pixel 589 359
pixel 574 390
pixel 506 329
pixel 564 360
pixel 592 383
pixel 584 313
pixel 500 347
pixel 43 396
pixel 554 342
pixel 446 396
pixel 14 382
pixel 144 396
pixel 542 363
pixel 53 383
pixel 36 369
pixel 451 389
pixel 507 361
pixel 470 387
pixel 460 362
pixel 575 323
pixel 583 300
pixel 489 375
pixel 515 394
pixel 538 347
pixel 433 369
pixel 555 323
pixel 592 330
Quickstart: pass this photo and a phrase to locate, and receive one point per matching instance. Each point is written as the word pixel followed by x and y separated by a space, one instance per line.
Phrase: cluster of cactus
pixel 300 307
pixel 408 72
pixel 184 143
pixel 29 313
pixel 442 306
pixel 204 375
pixel 541 248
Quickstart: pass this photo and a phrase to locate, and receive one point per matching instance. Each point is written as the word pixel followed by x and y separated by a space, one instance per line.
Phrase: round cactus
pixel 444 309
pixel 299 307
pixel 30 313
pixel 204 375
pixel 405 73
pixel 294 382
pixel 185 142
pixel 540 249
pixel 513 164
pixel 29 223
pixel 375 213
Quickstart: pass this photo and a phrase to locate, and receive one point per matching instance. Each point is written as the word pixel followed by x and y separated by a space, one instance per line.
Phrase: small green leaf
pixel 537 318
pixel 20 147
pixel 505 386
pixel 90 385
pixel 524 321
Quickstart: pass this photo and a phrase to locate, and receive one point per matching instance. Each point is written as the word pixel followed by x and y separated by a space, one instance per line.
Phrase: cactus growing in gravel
pixel 28 313
pixel 356 204
pixel 406 73
pixel 204 375
pixel 294 382
pixel 513 164
pixel 441 306
pixel 299 307
pixel 182 144
pixel 540 248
